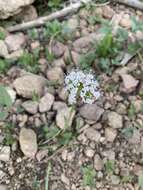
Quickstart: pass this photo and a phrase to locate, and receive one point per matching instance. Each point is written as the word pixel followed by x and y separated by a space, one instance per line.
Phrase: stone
pixel 59 63
pixel 3 49
pixel 75 57
pixel 108 12
pixel 65 180
pixel 28 85
pixel 30 106
pixel 89 152
pixel 115 120
pixel 5 153
pixel 138 104
pixel 63 94
pixel 126 21
pixel 28 13
pixel 91 112
pixel 2 174
pixel 98 163
pixel 3 187
pixel 58 49
pixel 110 134
pixel 59 105
pixel 55 74
pixel 28 142
pixel 93 134
pixel 12 7
pixel 136 137
pixel 72 24
pixel 129 83
pixel 46 102
pixel 15 55
pixel 15 41
pixel 65 117
pixel 86 41
pixel 115 180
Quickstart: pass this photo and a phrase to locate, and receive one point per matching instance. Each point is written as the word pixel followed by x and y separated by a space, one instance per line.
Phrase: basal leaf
pixel 5 99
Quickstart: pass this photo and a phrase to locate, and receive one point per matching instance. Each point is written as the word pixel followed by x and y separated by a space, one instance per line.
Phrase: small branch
pixel 42 20
pixel 137 4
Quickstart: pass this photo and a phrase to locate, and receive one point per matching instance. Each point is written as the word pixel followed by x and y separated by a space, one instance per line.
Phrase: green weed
pixel 89 175
pixel 131 111
pixel 33 34
pixel 4 66
pixel 110 166
pixel 29 61
pixel 140 181
pixel 2 35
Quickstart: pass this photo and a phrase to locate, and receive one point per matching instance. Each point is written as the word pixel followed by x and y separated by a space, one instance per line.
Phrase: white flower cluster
pixel 82 85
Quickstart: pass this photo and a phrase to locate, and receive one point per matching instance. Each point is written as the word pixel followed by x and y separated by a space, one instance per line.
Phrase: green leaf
pixel 89 175
pixel 140 181
pixel 104 47
pixel 128 132
pixel 5 99
pixel 65 138
pixel 110 166
pixel 3 115
pixel 51 132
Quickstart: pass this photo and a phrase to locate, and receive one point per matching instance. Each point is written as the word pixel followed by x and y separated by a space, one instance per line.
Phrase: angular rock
pixel 28 13
pixel 93 134
pixel 30 106
pixel 129 83
pixel 3 49
pixel 58 49
pixel 28 142
pixel 46 102
pixel 85 42
pixel 91 112
pixel 55 74
pixel 11 7
pixel 115 120
pixel 110 134
pixel 28 85
pixel 15 41
pixel 89 152
pixel 126 21
pixel 59 63
pixel 108 12
pixel 3 187
pixel 98 163
pixel 15 55
pixel 2 174
pixel 5 153
pixel 59 105
pixel 65 117
pixel 75 57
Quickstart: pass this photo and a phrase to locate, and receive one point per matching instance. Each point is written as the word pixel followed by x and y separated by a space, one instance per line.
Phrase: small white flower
pixel 81 85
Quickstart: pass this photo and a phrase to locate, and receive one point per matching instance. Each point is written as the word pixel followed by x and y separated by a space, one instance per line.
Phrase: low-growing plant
pixel 110 166
pixel 140 181
pixel 131 111
pixel 4 66
pixel 126 179
pixel 2 35
pixel 33 34
pixel 89 175
pixel 82 86
pixel 29 61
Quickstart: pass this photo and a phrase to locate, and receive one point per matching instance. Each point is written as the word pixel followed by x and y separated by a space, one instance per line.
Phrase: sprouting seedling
pixel 82 86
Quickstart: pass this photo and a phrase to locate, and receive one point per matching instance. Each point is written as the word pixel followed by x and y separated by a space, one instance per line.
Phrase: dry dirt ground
pixel 105 150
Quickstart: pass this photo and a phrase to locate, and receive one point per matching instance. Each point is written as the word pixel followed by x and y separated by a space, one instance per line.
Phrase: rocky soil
pixel 105 136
